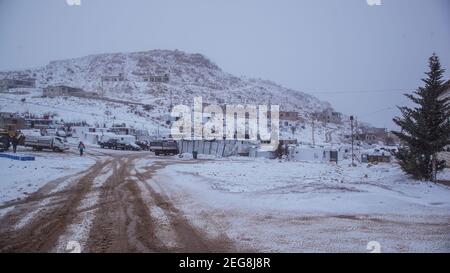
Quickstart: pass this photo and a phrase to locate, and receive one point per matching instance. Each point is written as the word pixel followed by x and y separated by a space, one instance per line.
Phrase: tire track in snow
pixel 79 230
pixel 41 232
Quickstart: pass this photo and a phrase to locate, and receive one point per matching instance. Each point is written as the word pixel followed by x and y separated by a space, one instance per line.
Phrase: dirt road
pixel 111 207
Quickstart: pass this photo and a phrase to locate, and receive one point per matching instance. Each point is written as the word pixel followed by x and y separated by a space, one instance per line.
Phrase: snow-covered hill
pixel 191 75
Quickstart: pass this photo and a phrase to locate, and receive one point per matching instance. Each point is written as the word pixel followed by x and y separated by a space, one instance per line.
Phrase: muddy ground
pixel 121 214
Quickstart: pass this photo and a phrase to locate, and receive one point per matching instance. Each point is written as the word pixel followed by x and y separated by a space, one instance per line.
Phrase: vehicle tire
pixel 156 153
pixel 56 149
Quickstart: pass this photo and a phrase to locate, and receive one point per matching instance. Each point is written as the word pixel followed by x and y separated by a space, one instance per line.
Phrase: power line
pixel 378 111
pixel 313 92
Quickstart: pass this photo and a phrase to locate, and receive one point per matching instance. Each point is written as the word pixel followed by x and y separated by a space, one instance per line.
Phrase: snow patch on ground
pixel 162 221
pixel 301 206
pixel 77 232
pixel 21 178
pixel 5 211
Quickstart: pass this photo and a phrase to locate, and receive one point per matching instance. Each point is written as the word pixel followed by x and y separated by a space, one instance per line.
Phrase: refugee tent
pixel 315 154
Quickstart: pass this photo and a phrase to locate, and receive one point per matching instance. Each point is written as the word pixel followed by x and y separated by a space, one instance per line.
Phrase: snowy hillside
pixel 190 75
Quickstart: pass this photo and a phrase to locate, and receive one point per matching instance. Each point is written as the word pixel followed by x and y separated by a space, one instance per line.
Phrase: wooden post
pixel 224 144
pixel 353 155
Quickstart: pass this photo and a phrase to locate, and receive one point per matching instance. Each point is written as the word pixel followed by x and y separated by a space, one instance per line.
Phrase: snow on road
pixel 79 230
pixel 268 205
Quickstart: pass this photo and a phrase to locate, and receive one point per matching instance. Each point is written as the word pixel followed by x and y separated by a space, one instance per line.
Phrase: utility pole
pixel 103 90
pixel 351 122
pixel 171 100
pixel 313 127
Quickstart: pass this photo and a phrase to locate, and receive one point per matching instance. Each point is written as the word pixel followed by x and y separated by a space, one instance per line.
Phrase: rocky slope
pixel 190 75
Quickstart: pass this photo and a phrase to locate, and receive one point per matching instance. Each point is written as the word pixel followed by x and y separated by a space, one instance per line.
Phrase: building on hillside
pixel 38 123
pixel 6 84
pixel 391 139
pixel 328 116
pixel 156 78
pixel 288 119
pixel 63 90
pixel 118 78
pixel 372 135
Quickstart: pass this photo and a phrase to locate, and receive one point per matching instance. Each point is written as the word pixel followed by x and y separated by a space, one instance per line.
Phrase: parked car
pixel 109 144
pixel 38 143
pixel 119 145
pixel 166 147
pixel 132 147
pixel 144 144
pixel 56 132
pixel 113 144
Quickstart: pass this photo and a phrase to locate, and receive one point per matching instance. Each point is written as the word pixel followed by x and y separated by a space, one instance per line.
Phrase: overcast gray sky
pixel 356 56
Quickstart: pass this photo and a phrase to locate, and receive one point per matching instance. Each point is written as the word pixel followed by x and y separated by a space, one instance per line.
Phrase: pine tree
pixel 425 129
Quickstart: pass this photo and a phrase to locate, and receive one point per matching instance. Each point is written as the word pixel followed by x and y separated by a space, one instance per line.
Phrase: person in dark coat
pixel 14 142
pixel 81 147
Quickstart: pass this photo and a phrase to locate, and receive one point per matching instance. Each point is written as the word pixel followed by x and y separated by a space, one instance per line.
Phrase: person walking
pixel 14 142
pixel 81 147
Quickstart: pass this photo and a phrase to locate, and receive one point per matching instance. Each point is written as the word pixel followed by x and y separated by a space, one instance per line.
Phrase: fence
pixel 222 148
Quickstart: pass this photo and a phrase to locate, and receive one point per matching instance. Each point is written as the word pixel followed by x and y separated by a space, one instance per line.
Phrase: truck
pixel 165 147
pixel 7 135
pixel 38 143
